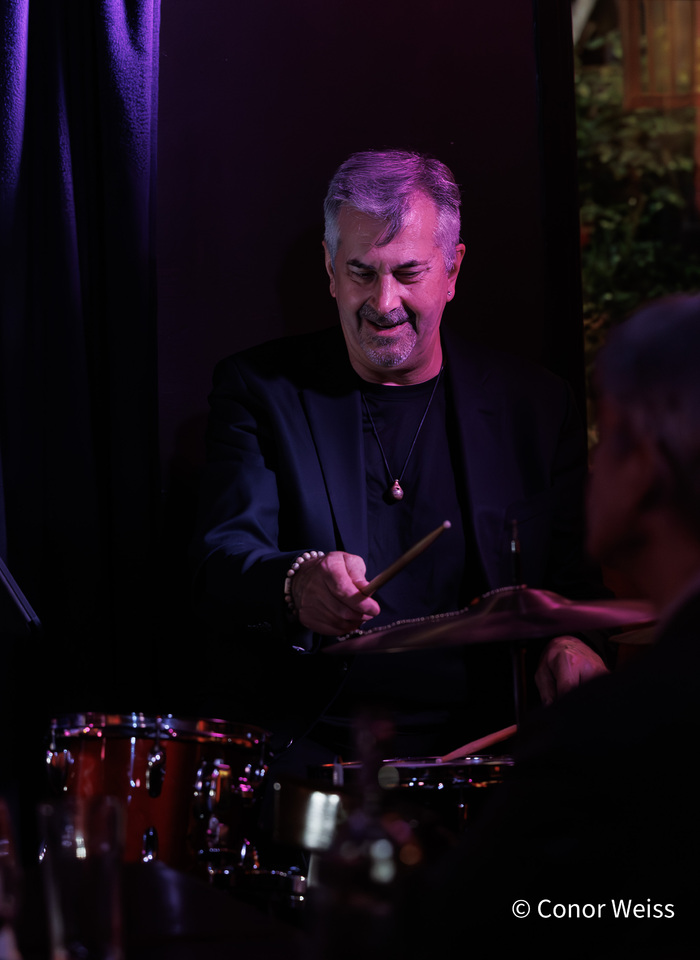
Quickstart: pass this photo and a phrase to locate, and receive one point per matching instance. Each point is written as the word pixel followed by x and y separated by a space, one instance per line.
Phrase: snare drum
pixel 432 773
pixel 188 785
pixel 452 791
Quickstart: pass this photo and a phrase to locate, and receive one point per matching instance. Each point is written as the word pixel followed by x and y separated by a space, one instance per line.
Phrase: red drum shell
pixel 108 755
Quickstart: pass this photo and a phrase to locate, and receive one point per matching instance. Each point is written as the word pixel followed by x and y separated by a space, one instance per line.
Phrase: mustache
pixel 392 319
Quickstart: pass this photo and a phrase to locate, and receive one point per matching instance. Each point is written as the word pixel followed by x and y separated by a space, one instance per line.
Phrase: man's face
pixel 390 298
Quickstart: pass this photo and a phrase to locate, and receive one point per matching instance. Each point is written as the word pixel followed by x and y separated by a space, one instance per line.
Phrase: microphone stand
pixel 18 598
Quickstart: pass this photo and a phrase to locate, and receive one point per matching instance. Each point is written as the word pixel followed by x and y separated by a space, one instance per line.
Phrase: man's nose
pixel 386 294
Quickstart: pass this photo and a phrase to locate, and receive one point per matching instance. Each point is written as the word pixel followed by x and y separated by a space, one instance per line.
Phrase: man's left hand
pixel 566 663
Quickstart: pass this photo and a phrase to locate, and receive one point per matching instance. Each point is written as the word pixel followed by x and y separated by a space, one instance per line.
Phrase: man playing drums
pixel 331 453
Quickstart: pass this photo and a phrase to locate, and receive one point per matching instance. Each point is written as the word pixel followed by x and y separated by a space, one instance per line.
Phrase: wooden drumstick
pixel 481 744
pixel 403 561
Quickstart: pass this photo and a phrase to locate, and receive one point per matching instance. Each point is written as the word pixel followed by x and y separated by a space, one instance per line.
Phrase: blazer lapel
pixel 334 415
pixel 486 455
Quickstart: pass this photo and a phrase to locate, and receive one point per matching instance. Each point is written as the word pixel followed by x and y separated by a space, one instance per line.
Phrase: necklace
pixel 395 490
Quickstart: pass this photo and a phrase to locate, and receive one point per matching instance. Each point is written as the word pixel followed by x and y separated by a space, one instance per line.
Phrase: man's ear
pixel 459 255
pixel 329 267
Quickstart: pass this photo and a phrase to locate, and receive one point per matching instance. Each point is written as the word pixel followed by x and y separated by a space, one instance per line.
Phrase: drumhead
pixel 430 772
pixel 166 726
pixel 436 763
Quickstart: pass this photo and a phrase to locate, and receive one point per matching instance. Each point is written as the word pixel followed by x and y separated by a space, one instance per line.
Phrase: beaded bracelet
pixel 308 555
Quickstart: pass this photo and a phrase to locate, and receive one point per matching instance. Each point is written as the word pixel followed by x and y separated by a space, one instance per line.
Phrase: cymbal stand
pixel 517 655
pixel 517 649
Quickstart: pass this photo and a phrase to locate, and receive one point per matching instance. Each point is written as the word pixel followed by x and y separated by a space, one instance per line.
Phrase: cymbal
pixel 510 614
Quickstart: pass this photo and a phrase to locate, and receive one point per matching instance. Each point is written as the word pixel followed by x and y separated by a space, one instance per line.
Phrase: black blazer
pixel 286 473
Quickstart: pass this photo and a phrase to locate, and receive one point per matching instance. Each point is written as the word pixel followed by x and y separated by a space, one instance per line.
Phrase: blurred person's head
pixel 645 484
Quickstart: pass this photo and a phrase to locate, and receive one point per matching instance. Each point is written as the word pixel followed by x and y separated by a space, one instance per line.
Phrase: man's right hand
pixel 327 593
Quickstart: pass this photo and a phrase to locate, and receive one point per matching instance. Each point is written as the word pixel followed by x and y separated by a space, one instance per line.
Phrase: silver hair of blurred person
pixel 382 184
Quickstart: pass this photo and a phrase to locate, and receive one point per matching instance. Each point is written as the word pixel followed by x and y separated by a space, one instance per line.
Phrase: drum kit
pixel 191 787
pixel 454 783
pixel 188 786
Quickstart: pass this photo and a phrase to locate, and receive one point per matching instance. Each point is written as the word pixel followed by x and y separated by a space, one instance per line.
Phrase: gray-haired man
pixel 331 453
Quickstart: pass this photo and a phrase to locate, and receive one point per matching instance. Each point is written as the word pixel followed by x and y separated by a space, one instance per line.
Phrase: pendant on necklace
pixel 396 491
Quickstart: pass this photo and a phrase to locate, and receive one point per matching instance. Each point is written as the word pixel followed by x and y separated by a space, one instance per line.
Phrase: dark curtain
pixel 78 377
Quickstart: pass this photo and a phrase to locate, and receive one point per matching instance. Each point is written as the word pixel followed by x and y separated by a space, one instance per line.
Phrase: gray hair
pixel 651 367
pixel 383 184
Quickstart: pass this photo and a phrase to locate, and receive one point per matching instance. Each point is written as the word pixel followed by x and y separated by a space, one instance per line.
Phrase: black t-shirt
pixel 431 694
pixel 435 581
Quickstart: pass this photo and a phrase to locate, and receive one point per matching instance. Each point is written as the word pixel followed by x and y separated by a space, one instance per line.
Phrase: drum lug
pixel 149 845
pixel 213 787
pixel 155 770
pixel 217 799
pixel 58 766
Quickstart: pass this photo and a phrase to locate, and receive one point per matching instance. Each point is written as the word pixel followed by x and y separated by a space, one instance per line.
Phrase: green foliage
pixel 636 186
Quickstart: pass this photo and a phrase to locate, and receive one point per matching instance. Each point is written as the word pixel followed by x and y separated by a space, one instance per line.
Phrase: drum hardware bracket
pixel 59 764
pixel 277 890
pixel 213 787
pixel 221 860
